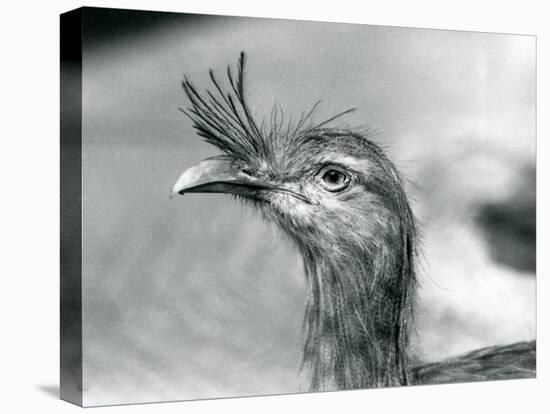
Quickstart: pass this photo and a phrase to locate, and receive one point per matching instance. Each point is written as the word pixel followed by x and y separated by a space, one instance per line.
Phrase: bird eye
pixel 334 180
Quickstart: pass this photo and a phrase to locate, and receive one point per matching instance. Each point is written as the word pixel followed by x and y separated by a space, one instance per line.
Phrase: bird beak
pixel 217 176
pixel 221 176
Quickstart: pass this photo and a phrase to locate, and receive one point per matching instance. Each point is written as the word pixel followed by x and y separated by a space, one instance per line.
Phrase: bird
pixel 342 203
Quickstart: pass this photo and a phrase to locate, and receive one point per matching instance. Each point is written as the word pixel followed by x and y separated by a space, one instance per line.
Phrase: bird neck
pixel 357 314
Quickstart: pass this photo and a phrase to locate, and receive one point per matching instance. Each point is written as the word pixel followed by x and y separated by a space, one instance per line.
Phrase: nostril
pixel 247 171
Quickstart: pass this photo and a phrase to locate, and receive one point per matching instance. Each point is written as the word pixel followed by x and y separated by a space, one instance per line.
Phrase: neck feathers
pixel 358 312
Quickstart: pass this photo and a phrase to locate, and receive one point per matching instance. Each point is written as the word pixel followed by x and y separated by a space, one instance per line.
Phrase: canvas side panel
pixel 71 207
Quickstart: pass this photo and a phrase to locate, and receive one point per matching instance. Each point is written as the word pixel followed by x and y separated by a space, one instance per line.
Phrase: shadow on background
pixel 510 226
pixel 51 390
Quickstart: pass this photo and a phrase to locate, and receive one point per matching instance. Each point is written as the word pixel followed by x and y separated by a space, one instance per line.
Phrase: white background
pixel 30 208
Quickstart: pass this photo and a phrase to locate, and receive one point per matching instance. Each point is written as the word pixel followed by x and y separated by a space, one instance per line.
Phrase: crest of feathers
pixel 224 119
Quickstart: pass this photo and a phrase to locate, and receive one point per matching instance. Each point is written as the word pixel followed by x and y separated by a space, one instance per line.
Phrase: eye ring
pixel 334 179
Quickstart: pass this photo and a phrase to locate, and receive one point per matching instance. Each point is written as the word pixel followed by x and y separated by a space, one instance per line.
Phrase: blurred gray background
pixel 196 297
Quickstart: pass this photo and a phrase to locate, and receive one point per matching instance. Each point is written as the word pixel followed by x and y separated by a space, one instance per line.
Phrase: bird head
pixel 319 184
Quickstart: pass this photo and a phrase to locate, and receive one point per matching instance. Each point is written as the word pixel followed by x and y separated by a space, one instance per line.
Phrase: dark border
pixel 71 207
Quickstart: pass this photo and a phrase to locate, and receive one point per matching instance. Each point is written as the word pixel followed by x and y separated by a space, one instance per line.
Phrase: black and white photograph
pixel 274 206
pixel 245 208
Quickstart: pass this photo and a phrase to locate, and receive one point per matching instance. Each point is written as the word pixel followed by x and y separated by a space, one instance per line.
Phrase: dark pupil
pixel 333 177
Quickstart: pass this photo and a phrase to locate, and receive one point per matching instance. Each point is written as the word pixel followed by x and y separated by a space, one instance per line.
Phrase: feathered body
pixel 342 202
pixel 492 363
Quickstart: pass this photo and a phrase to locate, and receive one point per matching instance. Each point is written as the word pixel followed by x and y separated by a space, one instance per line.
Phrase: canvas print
pixel 263 206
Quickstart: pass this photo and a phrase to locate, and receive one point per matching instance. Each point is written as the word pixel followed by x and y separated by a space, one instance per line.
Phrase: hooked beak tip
pixel 173 193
